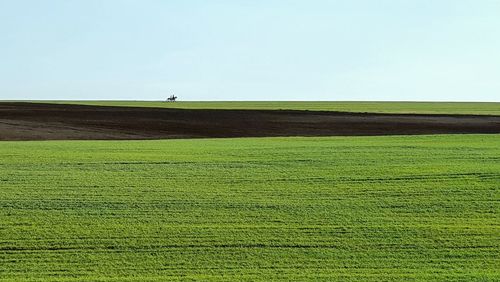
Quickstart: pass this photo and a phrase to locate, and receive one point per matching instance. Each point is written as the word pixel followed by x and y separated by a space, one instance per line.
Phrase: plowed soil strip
pixel 32 121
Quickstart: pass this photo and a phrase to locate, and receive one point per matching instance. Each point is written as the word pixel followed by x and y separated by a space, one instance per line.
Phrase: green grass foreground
pixel 474 108
pixel 340 208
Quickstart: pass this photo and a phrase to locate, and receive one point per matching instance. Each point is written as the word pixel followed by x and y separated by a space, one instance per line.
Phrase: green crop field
pixel 339 208
pixel 478 108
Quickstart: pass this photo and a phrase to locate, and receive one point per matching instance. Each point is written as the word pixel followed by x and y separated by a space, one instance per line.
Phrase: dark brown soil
pixel 31 121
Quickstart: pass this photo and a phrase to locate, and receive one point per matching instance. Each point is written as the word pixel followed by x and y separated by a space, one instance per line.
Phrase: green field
pixel 479 108
pixel 340 208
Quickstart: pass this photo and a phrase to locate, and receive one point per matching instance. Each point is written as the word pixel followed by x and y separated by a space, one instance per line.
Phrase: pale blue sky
pixel 250 50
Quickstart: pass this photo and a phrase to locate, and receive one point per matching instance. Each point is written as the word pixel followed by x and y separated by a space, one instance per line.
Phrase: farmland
pixel 319 208
pixel 43 121
pixel 470 108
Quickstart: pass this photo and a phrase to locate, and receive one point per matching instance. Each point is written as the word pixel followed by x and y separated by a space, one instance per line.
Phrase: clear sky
pixel 250 50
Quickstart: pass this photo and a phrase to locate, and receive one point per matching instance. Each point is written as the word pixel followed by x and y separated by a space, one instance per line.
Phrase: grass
pixel 340 208
pixel 476 108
